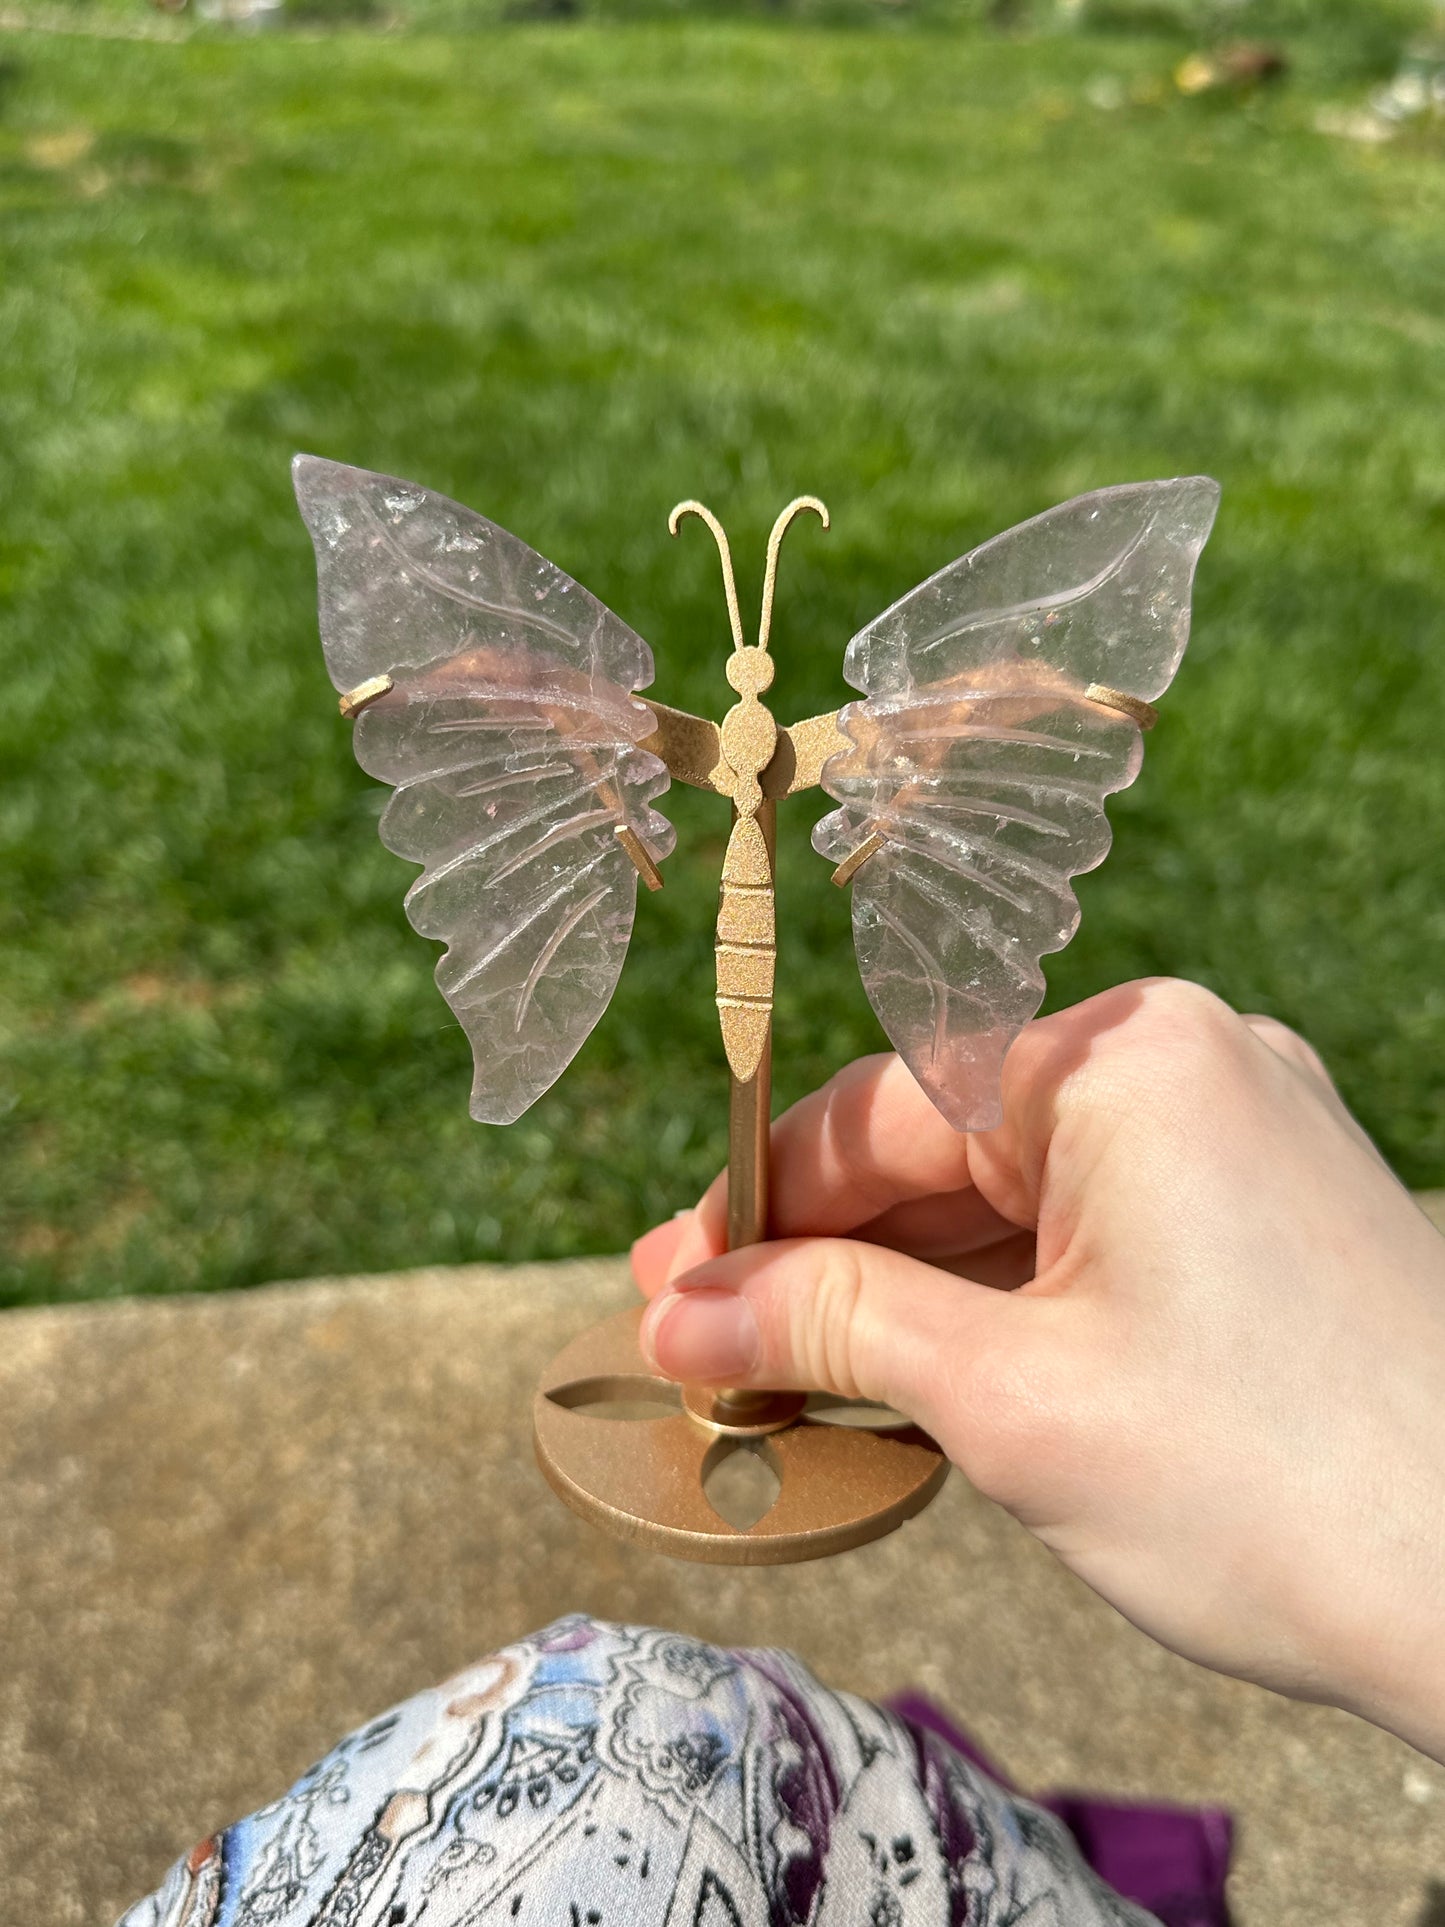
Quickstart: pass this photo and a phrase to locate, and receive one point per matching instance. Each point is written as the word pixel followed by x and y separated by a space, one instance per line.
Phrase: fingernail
pixel 707 1334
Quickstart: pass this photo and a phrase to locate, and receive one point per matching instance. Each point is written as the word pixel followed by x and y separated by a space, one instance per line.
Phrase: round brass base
pixel 641 1474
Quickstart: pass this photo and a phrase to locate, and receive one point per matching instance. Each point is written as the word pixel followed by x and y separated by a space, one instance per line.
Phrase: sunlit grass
pixel 570 275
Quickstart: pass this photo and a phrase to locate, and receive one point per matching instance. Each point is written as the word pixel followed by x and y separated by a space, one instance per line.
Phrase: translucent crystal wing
pixel 510 737
pixel 982 764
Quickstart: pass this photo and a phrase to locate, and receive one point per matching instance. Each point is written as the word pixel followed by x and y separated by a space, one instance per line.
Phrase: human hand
pixel 1217 1389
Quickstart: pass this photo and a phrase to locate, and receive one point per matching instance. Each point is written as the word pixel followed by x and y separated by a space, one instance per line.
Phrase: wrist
pixel 1392 1669
pixel 1403 1690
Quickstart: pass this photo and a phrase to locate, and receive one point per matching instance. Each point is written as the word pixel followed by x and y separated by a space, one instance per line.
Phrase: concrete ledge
pixel 233 1527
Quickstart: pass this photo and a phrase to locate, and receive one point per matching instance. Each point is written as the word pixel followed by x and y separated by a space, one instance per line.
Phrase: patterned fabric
pixel 1174 1861
pixel 611 1776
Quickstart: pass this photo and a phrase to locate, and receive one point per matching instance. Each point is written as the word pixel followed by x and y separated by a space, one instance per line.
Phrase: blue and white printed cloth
pixel 616 1776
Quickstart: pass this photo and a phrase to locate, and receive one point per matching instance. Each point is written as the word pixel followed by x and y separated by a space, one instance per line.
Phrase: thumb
pixel 830 1315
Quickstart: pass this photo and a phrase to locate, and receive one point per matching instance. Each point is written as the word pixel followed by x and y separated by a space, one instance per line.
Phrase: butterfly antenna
pixel 775 543
pixel 719 535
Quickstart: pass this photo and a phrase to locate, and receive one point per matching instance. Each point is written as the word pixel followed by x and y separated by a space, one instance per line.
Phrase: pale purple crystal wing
pixel 510 737
pixel 983 766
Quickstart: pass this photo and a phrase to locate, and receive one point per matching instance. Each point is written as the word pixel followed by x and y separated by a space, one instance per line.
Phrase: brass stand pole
pixel 749 1115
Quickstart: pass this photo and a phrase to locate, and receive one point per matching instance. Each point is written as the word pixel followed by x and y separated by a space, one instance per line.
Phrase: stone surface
pixel 233 1527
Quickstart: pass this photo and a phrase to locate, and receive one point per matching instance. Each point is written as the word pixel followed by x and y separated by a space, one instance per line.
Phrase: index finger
pixel 866 1143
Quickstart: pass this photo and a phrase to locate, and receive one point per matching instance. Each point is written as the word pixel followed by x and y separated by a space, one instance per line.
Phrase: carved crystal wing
pixel 510 737
pixel 982 766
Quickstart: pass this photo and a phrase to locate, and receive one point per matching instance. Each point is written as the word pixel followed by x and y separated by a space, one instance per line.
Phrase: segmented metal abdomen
pixel 746 946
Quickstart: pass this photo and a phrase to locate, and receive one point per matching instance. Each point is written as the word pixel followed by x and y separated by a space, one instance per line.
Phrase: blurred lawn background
pixel 943 266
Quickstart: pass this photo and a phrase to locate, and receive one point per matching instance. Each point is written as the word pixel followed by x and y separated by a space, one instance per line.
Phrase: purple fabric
pixel 1172 1860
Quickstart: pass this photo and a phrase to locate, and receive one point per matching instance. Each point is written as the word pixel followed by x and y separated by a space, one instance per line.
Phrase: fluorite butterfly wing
pixel 510 736
pixel 982 766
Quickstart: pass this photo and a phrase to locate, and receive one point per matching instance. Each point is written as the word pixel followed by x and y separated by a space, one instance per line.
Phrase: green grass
pixel 570 275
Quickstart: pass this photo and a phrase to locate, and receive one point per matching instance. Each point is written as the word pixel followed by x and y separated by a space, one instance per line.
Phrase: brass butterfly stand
pixel 644 1478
